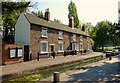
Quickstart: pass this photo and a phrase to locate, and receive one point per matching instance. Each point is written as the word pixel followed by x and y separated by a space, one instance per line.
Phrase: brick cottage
pixel 45 36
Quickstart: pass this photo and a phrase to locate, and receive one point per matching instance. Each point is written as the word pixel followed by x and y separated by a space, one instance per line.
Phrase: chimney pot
pixel 83 28
pixel 47 14
pixel 71 22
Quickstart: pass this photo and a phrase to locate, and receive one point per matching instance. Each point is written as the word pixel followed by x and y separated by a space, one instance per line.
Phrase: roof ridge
pixel 52 24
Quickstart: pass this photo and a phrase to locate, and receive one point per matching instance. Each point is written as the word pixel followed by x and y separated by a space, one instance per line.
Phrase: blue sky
pixel 88 10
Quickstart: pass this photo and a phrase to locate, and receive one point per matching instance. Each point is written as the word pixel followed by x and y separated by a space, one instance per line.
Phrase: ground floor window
pixel 44 47
pixel 75 46
pixel 81 46
pixel 60 47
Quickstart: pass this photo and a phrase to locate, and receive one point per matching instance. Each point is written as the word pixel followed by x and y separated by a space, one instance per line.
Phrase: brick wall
pixel 5 54
pixel 52 38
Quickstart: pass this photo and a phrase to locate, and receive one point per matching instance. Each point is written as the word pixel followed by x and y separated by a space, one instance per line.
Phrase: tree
pixel 10 14
pixel 89 28
pixel 39 14
pixel 102 33
pixel 73 12
pixel 57 20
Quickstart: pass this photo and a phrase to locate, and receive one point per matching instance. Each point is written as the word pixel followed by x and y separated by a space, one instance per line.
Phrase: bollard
pixel 30 56
pixel 81 51
pixel 75 52
pixel 64 53
pixel 38 56
pixel 56 77
pixel 53 55
pixel 110 58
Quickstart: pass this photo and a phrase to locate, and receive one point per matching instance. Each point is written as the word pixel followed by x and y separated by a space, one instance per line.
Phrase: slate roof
pixel 55 25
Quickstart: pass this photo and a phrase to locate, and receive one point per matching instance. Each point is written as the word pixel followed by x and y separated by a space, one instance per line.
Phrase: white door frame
pixel 50 48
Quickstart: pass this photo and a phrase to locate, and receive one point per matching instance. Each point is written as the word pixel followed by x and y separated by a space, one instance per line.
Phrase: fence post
pixel 56 77
pixel 110 58
pixel 38 56
pixel 64 53
pixel 53 54
pixel 30 56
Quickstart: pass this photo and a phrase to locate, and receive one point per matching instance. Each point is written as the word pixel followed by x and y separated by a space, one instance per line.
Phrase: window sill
pixel 60 38
pixel 60 51
pixel 44 36
pixel 44 52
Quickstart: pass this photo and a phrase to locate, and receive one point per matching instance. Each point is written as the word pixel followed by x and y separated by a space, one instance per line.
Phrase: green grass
pixel 108 47
pixel 48 72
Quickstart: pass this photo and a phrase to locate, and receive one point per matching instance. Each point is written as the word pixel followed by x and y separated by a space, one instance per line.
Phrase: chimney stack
pixel 71 22
pixel 47 14
pixel 83 28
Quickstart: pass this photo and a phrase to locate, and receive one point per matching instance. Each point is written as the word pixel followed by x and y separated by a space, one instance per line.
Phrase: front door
pixel 51 50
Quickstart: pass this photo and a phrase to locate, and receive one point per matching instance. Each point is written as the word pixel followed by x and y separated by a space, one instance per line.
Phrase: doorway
pixel 52 49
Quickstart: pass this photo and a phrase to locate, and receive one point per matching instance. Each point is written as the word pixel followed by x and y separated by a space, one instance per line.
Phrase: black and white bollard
pixel 56 77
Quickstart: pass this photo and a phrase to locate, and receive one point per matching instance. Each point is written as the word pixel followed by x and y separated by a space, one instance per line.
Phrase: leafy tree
pixel 57 20
pixel 89 28
pixel 102 33
pixel 73 12
pixel 10 14
pixel 117 26
pixel 39 14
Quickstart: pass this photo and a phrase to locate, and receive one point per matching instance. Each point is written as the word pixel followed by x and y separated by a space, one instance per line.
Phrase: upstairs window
pixel 88 39
pixel 74 37
pixel 60 35
pixel 44 32
pixel 81 38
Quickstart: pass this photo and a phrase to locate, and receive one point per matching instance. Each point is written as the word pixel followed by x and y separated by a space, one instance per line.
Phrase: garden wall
pixel 12 53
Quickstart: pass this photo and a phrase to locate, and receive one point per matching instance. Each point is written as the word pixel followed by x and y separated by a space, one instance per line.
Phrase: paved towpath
pixel 32 65
pixel 104 70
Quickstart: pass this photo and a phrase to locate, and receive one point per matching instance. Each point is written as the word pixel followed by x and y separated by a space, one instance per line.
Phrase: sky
pixel 88 10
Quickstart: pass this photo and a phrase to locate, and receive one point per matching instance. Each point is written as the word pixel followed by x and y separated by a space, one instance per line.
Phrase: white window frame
pixel 42 52
pixel 76 47
pixel 88 39
pixel 62 47
pixel 81 38
pixel 74 37
pixel 80 46
pixel 60 32
pixel 88 46
pixel 45 33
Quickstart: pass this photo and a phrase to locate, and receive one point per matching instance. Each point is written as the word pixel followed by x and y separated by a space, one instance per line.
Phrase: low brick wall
pixel 6 54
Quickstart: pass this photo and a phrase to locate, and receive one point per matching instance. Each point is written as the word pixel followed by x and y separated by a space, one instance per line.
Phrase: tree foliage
pixel 73 12
pixel 39 14
pixel 57 20
pixel 106 34
pixel 102 33
pixel 10 14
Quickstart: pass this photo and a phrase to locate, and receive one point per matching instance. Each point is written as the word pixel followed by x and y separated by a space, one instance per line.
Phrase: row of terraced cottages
pixel 45 36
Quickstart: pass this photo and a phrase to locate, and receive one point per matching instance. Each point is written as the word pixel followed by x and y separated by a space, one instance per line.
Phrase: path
pixel 105 70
